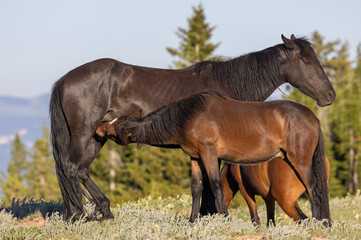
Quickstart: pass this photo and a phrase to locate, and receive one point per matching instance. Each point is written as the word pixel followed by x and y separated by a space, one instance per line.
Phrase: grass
pixel 167 218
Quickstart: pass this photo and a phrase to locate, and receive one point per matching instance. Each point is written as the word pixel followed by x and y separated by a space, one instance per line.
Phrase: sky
pixel 40 41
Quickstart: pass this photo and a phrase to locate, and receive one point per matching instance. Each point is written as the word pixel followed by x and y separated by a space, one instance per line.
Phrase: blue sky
pixel 42 40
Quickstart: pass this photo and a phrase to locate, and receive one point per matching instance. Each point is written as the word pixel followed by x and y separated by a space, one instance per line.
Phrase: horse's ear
pixel 288 42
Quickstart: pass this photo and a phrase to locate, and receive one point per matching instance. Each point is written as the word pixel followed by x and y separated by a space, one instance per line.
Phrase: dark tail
pixel 320 206
pixel 60 138
pixel 158 126
pixel 60 135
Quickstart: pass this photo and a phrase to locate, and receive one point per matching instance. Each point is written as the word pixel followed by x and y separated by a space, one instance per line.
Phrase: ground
pixel 167 218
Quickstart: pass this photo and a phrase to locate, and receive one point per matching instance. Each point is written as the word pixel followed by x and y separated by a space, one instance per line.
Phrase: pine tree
pixel 342 120
pixel 194 46
pixel 14 186
pixel 41 176
pixel 352 144
pixel 357 87
pixel 155 171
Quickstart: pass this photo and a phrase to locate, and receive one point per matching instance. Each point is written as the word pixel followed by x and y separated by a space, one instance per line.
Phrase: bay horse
pixel 209 126
pixel 274 181
pixel 99 91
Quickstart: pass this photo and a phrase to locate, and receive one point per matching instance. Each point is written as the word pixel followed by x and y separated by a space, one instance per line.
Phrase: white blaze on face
pixel 113 121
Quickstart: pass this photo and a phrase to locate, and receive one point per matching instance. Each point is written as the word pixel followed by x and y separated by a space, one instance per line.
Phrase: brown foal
pixel 273 181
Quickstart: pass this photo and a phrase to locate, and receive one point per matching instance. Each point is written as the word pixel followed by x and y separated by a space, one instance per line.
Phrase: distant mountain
pixel 35 107
pixel 25 116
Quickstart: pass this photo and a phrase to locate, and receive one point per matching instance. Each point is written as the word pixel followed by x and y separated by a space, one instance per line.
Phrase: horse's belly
pixel 244 157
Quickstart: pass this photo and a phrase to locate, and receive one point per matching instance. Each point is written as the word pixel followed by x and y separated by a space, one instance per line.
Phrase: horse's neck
pixel 247 79
pixel 268 91
pixel 260 92
pixel 265 83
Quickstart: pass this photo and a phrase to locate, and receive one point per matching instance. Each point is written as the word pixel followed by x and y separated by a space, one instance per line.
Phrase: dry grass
pixel 167 218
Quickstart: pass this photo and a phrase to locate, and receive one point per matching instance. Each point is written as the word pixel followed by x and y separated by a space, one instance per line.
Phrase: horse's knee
pixel 196 187
pixel 71 170
pixel 217 191
pixel 83 174
pixel 216 185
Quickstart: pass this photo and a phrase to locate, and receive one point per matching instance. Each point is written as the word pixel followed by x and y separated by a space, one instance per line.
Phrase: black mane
pixel 158 126
pixel 255 72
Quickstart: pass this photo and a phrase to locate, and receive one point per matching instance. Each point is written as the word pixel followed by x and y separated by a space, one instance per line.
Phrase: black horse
pixel 103 89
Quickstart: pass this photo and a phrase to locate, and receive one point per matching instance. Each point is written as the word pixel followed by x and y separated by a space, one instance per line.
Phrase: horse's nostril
pixel 331 95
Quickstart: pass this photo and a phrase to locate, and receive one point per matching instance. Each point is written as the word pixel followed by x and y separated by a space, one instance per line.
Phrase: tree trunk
pixel 353 175
pixel 115 161
pixel 196 50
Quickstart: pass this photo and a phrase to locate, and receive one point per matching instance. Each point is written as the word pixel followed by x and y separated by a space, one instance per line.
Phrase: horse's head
pixel 302 70
pixel 124 134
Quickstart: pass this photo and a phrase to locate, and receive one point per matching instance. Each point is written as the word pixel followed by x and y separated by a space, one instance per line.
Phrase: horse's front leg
pixel 208 204
pixel 197 187
pixel 210 162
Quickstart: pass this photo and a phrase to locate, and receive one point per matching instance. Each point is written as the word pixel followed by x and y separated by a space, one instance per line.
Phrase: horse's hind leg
pixel 270 205
pixel 300 212
pixel 82 152
pixel 197 187
pixel 247 194
pixel 101 201
pixel 252 206
pixel 68 176
pixel 307 158
pixel 229 183
pixel 291 208
pixel 316 189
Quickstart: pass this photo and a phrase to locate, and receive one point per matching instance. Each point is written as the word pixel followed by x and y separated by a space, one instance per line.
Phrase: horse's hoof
pixel 88 219
pixel 74 218
pixel 327 223
pixel 107 218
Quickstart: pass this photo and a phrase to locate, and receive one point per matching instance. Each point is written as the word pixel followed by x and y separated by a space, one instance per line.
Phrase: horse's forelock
pixel 306 48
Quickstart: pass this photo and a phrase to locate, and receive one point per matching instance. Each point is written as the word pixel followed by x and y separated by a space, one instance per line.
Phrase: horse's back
pixel 292 109
pixel 86 92
pixel 104 85
pixel 84 71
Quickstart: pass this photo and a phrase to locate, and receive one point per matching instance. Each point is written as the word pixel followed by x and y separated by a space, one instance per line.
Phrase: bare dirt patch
pixel 33 222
